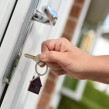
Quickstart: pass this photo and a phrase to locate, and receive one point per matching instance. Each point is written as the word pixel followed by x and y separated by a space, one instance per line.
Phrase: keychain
pixel 35 84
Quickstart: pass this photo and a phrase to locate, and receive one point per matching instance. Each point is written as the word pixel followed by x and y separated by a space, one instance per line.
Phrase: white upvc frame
pixel 5 11
pixel 5 51
pixel 6 8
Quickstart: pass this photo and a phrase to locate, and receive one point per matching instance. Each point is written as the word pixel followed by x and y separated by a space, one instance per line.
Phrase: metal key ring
pixel 39 74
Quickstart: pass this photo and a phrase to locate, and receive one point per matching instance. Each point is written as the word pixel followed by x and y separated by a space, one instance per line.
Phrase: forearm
pixel 98 69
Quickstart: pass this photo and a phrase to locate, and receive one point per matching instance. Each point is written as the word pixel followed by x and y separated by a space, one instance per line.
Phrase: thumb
pixel 53 56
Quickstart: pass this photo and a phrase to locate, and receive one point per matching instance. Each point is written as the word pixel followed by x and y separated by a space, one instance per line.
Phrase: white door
pixel 12 41
pixel 22 35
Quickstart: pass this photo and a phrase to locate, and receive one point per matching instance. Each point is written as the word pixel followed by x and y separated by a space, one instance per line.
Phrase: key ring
pixel 39 74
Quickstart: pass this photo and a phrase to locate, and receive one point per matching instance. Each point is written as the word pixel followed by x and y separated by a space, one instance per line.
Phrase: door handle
pixel 48 16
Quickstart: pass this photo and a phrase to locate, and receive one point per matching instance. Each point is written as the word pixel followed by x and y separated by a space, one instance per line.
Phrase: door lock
pixel 48 16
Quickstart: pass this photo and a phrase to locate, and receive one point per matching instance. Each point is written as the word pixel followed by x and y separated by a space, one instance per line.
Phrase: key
pixel 35 58
pixel 35 85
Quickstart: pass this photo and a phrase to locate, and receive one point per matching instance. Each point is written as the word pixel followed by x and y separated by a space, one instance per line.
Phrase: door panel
pixel 22 36
pixel 6 11
pixel 14 38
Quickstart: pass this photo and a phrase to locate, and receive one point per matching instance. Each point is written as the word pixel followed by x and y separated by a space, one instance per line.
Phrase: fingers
pixel 51 45
pixel 54 66
pixel 60 45
pixel 53 56
pixel 56 51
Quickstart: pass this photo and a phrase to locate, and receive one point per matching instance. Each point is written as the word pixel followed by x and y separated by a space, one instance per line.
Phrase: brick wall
pixel 48 91
pixel 73 19
pixel 68 33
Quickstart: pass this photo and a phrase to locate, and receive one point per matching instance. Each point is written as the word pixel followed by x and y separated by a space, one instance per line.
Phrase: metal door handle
pixel 49 16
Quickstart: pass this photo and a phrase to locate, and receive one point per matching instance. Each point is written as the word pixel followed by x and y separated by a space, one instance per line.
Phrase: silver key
pixel 35 58
pixel 38 62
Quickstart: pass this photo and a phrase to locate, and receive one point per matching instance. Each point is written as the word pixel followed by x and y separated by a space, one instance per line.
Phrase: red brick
pixel 70 27
pixel 53 75
pixel 44 101
pixel 67 37
pixel 48 91
pixel 49 86
pixel 80 1
pixel 75 11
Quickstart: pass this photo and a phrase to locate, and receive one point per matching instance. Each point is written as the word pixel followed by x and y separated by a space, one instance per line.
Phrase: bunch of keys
pixel 35 83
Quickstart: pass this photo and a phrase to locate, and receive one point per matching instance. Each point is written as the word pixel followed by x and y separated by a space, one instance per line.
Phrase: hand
pixel 64 58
